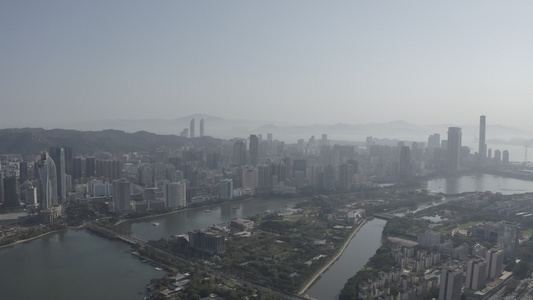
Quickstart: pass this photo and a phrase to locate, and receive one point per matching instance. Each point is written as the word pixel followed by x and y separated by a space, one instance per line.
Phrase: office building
pixel 77 168
pixel 23 171
pixel 451 283
pixel 121 195
pixel 508 239
pixel 58 155
pixel 454 148
pixel 476 274
pixel 429 238
pixel 254 150
pixel 31 197
pixel 108 168
pixel 482 145
pixel 207 240
pixel 68 160
pixel 47 183
pixel 226 189
pixel 505 157
pixel 191 128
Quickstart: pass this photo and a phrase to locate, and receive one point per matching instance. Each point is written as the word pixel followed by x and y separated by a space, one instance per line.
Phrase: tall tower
pixel 202 127
pixel 47 188
pixel 451 282
pixel 254 150
pixel 454 148
pixel 494 258
pixel 58 155
pixel 404 169
pixel 191 128
pixel 482 145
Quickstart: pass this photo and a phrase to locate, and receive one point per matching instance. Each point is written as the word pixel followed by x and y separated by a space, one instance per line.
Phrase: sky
pixel 303 62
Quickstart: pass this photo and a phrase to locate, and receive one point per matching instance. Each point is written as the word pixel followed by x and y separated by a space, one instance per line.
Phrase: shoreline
pixel 333 260
pixel 32 238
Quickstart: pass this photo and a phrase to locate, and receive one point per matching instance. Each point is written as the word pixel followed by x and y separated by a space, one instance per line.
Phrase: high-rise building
pixel 31 197
pixel 77 169
pixel 47 187
pixel 202 127
pixel 239 153
pixel 1 186
pixel 508 239
pixel 176 194
pixel 505 157
pixel 58 155
pixel 191 128
pixel 476 273
pixel 482 144
pixel 254 150
pixel 109 168
pixel 23 171
pixel 68 160
pixel 454 148
pixel 90 167
pixel 226 189
pixel 121 195
pixel 494 260
pixel 451 283
pixel 11 192
pixel 404 169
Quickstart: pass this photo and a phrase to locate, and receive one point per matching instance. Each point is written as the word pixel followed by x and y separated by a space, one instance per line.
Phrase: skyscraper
pixel 191 128
pixel 482 145
pixel 451 282
pixel 58 155
pixel 201 127
pixel 494 260
pixel 508 236
pixel 226 189
pixel 454 148
pixel 239 153
pixel 47 187
pixel 176 195
pixel 254 150
pixel 404 169
pixel 476 273
pixel 11 192
pixel 121 195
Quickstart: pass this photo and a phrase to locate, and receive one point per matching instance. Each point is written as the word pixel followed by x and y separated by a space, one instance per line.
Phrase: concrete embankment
pixel 332 260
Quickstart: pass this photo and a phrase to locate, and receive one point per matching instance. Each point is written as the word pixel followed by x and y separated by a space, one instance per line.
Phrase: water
pixel 72 265
pixel 187 220
pixel 479 183
pixel 355 256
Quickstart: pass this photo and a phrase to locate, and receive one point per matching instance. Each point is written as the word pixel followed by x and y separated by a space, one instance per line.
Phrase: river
pixel 478 182
pixel 72 264
pixel 355 256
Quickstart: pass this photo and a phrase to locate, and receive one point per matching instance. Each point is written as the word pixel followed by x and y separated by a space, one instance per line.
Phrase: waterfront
pixel 359 250
pixel 184 221
pixel 478 182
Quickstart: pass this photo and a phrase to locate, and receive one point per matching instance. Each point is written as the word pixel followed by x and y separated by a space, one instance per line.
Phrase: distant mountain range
pixel 227 129
pixel 29 141
pixel 145 135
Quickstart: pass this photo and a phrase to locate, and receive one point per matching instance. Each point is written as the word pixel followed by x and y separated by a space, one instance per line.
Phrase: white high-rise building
pixel 176 194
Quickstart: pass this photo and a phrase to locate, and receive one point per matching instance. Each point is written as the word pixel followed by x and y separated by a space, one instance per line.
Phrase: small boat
pixel 207 210
pixel 155 223
pixel 158 268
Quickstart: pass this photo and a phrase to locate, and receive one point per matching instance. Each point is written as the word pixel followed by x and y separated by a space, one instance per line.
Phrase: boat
pixel 155 223
pixel 207 210
pixel 158 268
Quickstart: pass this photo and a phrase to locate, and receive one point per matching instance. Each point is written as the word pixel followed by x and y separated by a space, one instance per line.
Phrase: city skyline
pixel 351 63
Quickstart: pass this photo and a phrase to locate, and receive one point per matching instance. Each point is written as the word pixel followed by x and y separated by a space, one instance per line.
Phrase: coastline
pixel 32 238
pixel 333 260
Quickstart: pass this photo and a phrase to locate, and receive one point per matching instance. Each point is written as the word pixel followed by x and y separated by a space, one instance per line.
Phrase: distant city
pixel 44 188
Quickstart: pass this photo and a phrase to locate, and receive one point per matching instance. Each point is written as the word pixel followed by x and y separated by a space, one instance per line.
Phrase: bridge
pixel 385 216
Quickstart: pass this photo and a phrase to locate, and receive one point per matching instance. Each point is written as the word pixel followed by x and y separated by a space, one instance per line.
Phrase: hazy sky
pixel 425 62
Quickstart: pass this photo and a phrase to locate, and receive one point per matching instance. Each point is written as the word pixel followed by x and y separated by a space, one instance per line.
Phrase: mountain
pixel 29 141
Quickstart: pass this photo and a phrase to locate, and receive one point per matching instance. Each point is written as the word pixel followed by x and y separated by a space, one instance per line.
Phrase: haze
pixel 299 62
